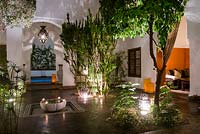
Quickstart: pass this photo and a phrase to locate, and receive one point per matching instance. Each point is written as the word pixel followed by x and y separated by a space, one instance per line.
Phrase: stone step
pixel 180 94
pixel 41 86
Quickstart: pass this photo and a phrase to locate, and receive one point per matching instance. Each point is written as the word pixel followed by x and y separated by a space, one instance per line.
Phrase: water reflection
pixel 101 101
pixel 145 104
pixel 46 119
pixel 63 116
pixel 84 95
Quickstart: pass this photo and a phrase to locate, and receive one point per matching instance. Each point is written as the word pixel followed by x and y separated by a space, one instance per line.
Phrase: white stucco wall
pixel 56 10
pixel 14 45
pixel 192 13
pixel 181 39
pixel 194 40
pixel 146 61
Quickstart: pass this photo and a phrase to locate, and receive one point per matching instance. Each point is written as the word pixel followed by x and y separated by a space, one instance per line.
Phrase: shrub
pixel 11 91
pixel 124 119
pixel 126 114
pixel 167 115
pixel 125 98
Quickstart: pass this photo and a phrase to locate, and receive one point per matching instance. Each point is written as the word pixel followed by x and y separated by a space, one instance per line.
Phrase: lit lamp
pixel 43 35
pixel 148 86
pixel 53 78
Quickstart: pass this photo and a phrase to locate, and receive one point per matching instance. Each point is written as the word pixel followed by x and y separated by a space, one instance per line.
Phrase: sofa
pixel 178 79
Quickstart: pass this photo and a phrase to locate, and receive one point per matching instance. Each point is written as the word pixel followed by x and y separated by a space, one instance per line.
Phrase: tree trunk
pixel 166 53
pixel 151 42
pixel 158 84
pixel 159 72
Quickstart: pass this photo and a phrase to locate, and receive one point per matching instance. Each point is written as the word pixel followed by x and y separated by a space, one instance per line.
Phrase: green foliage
pixel 76 42
pixel 125 98
pixel 124 101
pixel 90 47
pixel 171 85
pixel 124 119
pixel 126 114
pixel 141 17
pixel 3 61
pixel 167 115
pixel 43 58
pixel 4 79
pixel 120 68
pixel 10 98
pixel 17 12
pixel 131 18
pixel 3 92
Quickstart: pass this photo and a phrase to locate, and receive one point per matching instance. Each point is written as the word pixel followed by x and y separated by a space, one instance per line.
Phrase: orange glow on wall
pixel 159 63
pixel 149 86
pixel 159 59
pixel 53 78
pixel 179 59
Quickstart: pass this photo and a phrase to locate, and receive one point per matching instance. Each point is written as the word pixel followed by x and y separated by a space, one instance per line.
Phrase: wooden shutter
pixel 134 62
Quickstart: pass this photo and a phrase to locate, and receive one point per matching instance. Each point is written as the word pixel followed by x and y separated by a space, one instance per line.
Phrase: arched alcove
pixel 43 56
pixel 43 61
pixel 54 30
pixel 30 39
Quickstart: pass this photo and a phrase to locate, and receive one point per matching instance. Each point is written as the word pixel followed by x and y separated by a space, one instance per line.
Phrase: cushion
pixel 170 72
pixel 187 73
pixel 182 73
pixel 177 74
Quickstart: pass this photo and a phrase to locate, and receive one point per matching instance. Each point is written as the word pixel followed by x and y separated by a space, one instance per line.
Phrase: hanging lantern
pixel 43 35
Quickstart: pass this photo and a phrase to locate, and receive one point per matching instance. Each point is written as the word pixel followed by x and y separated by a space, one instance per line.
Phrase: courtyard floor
pixel 94 119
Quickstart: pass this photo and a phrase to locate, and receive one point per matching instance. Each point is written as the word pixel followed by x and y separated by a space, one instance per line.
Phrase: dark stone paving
pixel 93 120
pixel 191 116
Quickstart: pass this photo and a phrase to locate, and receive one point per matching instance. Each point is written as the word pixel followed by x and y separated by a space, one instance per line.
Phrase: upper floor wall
pixel 56 10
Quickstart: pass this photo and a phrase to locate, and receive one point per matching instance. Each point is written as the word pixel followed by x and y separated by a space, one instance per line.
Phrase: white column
pixel 194 40
pixel 14 45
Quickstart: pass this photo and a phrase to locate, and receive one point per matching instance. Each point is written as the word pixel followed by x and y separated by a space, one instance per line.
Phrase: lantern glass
pixel 43 34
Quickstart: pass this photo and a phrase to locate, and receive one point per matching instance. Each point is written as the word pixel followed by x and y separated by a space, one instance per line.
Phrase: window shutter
pixel 134 62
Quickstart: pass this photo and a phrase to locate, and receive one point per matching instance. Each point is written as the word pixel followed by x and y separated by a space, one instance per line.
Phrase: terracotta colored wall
pixel 179 59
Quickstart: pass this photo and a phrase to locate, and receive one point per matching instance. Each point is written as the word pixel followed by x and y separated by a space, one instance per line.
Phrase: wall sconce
pixel 43 34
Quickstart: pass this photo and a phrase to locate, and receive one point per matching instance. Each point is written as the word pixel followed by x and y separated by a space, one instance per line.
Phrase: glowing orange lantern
pixel 148 86
pixel 53 78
